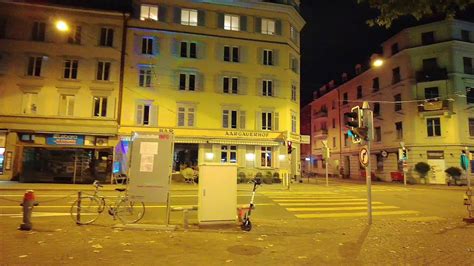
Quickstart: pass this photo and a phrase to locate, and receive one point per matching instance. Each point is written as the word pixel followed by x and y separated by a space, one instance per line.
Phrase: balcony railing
pixel 320 114
pixel 431 74
pixel 432 106
pixel 320 134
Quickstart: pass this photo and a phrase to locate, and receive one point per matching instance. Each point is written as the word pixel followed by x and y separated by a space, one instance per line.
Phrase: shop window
pixel 228 154
pixel 100 106
pixel 103 71
pixel 106 37
pixel 266 156
pixel 29 103
pixel 27 138
pixel 66 105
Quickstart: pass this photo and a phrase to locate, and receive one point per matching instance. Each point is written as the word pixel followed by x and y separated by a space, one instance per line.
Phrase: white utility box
pixel 217 200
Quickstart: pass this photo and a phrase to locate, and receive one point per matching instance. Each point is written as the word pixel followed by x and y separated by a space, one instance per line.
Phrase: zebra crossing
pixel 331 204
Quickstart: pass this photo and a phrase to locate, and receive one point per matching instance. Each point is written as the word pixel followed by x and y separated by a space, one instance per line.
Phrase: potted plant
pixel 454 175
pixel 422 169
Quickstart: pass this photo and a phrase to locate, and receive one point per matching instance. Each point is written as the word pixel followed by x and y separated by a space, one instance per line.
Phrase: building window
pixel 29 103
pixel 100 106
pixel 398 102
pixel 430 64
pixel 267 88
pixel 186 116
pixel 144 114
pixel 228 154
pixel 230 85
pixel 396 76
pixel 293 34
pixel 334 142
pixel 467 61
pixel 189 17
pixel 148 12
pixel 103 71
pixel 269 121
pixel 399 129
pixel 231 54
pixel 144 77
pixel 188 49
pixel 293 122
pixel 233 119
pixel 231 22
pixel 346 140
pixel 38 33
pixel 375 85
pixel 431 93
pixel 294 64
pixel 70 69
pixel 433 127
pixel 147 45
pixel 293 92
pixel 465 35
pixel 66 105
pixel 345 98
pixel 106 37
pixel 359 92
pixel 379 162
pixel 470 94
pixel 427 38
pixel 333 123
pixel 376 109
pixel 266 156
pixel 75 35
pixel 471 127
pixel 34 66
pixel 268 26
pixel 378 134
pixel 187 82
pixel 394 48
pixel 268 57
pixel 3 28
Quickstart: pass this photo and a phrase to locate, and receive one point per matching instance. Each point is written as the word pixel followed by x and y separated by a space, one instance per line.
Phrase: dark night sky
pixel 336 37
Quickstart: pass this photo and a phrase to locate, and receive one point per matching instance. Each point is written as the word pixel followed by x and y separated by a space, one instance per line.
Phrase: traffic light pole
pixel 368 123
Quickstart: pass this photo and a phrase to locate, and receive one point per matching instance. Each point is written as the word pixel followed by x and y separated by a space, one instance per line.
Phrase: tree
pixel 391 10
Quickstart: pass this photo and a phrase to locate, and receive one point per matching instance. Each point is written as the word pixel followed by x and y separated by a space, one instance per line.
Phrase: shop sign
pixel 246 134
pixel 57 139
pixel 435 154
pixel 8 160
pixel 2 139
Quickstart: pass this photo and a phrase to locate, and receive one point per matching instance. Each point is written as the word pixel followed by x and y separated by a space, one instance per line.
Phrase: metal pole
pixel 404 175
pixel 368 177
pixel 327 175
pixel 75 165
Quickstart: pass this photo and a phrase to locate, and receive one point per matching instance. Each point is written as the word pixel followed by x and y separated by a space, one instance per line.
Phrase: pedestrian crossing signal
pixel 290 147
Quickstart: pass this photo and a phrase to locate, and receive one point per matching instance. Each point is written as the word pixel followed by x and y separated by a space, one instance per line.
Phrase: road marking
pixel 319 200
pixel 328 203
pixel 296 193
pixel 341 208
pixel 310 197
pixel 351 214
pixel 423 219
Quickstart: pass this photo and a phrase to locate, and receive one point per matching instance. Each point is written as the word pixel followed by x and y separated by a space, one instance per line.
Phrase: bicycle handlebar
pixel 97 183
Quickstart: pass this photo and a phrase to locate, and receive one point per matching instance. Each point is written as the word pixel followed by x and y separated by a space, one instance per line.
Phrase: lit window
pixel 266 156
pixel 189 17
pixel 268 26
pixel 148 12
pixel 100 106
pixel 29 103
pixel 231 22
pixel 66 105
pixel 75 35
pixel 228 154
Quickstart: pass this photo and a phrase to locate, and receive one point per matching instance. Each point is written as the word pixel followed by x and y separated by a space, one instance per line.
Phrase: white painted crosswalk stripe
pixel 328 203
pixel 318 200
pixel 325 209
pixel 309 197
pixel 352 214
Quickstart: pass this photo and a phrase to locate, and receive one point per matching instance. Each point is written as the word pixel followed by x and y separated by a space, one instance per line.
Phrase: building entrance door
pixel 347 167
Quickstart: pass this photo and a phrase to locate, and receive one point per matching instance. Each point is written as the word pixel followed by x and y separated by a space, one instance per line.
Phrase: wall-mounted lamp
pixel 209 156
pixel 250 156
pixel 281 157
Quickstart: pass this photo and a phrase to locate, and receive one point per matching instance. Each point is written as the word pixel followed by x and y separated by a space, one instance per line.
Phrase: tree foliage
pixel 391 10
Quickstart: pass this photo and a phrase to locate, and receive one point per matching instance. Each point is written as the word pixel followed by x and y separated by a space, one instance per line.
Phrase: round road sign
pixel 364 156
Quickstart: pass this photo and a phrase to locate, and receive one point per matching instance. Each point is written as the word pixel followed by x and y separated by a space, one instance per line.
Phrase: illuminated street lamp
pixel 61 25
pixel 377 62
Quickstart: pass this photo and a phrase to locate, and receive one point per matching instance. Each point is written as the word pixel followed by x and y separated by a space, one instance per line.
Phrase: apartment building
pixel 58 92
pixel 422 96
pixel 223 76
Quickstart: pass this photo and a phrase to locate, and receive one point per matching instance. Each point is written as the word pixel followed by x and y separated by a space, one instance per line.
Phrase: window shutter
pixel 242 85
pixel 181 116
pixel 260 56
pixel 199 82
pixel 276 123
pixel 156 49
pixel 177 15
pixel 220 20
pixel 139 118
pixel 175 47
pixel 259 87
pixel 278 27
pixel 162 13
pixel 242 120
pixel 275 88
pixel 191 117
pixel 201 50
pixel 154 115
pixel 258 121
pixel 243 23
pixel 201 18
pixel 258 25
pixel 276 57
pixel 138 44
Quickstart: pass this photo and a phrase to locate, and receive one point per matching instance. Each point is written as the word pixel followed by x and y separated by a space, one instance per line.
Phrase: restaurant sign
pixel 72 140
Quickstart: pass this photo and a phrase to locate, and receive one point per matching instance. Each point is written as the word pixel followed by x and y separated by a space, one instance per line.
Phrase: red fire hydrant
pixel 28 204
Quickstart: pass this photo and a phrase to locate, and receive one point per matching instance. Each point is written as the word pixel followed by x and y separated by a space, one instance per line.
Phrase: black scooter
pixel 246 224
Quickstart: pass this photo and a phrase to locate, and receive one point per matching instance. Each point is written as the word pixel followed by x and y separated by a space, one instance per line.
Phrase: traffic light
pixel 404 152
pixel 353 119
pixel 290 147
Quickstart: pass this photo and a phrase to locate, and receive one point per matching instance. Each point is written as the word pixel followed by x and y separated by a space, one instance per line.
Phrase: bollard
pixel 468 203
pixel 28 204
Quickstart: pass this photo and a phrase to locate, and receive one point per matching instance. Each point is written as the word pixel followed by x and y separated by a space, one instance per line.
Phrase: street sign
pixel 364 156
pixel 384 153
pixel 405 166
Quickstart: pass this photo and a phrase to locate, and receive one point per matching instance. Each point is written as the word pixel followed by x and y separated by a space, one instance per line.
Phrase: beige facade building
pixel 422 95
pixel 59 92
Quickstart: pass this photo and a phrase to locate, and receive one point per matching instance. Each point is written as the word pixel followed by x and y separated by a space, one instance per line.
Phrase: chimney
pixel 344 77
pixel 358 69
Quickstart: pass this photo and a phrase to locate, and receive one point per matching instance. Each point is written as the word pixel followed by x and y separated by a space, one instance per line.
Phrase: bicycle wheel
pixel 86 210
pixel 130 212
